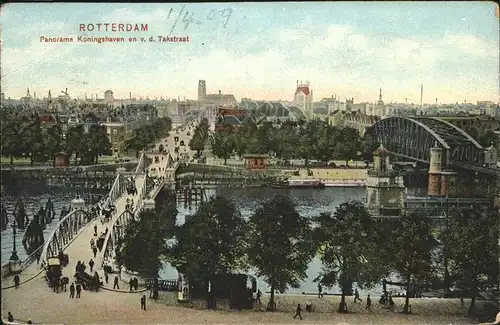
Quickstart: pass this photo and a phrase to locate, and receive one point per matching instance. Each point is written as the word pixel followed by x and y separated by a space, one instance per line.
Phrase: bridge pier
pixel 442 182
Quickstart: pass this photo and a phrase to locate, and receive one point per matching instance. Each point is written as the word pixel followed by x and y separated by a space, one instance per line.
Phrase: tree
pixel 74 142
pixel 280 244
pixel 347 241
pixel 347 144
pixel 11 139
pixel 222 143
pixel 34 140
pixel 53 141
pixel 210 242
pixel 326 144
pixel 197 142
pixel 471 240
pixel 411 249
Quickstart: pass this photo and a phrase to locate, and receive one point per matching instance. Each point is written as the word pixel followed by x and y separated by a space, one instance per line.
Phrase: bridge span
pixel 73 234
pixel 413 138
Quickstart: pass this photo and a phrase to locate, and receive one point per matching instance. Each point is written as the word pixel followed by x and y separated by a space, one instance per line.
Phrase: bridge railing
pixel 65 231
pixel 73 222
pixel 140 164
pixel 119 224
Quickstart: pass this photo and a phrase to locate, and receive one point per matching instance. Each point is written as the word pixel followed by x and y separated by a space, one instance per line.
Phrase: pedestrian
pixel 368 303
pixel 356 296
pixel 72 290
pixel 91 264
pixel 10 318
pixel 29 321
pixel 78 290
pixel 320 291
pixel 143 302
pixel 115 285
pixel 95 230
pixel 136 283
pixel 106 277
pixel 131 284
pixel 16 281
pixel 259 294
pixel 95 251
pixel 298 312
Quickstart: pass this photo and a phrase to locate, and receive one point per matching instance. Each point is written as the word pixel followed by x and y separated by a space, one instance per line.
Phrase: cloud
pixel 258 63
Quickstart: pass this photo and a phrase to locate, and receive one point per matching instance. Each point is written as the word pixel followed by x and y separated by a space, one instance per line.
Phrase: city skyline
pixel 347 49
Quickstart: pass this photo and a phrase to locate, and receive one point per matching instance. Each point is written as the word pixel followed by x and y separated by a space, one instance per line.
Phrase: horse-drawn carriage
pixel 63 259
pixel 88 281
pixel 53 272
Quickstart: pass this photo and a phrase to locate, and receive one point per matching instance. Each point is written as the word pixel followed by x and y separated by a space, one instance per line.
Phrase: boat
pixel 306 183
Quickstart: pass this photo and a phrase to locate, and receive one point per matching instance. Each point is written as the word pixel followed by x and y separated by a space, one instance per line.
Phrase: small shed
pixel 255 161
pixel 61 159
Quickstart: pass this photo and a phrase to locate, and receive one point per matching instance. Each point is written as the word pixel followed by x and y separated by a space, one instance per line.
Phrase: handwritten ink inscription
pixel 184 18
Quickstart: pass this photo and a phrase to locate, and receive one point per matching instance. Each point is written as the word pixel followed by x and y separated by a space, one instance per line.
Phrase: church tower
pixel 384 187
pixel 380 101
pixel 202 90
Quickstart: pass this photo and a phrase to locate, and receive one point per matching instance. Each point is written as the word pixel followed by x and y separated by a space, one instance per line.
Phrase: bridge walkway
pixel 80 249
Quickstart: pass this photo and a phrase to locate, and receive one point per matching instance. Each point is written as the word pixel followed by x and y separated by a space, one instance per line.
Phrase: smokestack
pixel 421 95
pixel 66 91
pixel 130 95
pixel 406 101
pixel 436 101
pixel 219 92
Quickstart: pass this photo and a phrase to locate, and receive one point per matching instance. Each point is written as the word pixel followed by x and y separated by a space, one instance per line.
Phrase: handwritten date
pixel 186 18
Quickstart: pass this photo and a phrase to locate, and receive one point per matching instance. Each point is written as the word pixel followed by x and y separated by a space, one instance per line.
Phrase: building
pixel 108 97
pixel 219 99
pixel 202 90
pixel 303 98
pixel 117 134
pixel 27 99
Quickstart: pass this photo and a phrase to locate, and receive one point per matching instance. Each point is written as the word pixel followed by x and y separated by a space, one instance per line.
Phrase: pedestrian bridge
pixel 74 232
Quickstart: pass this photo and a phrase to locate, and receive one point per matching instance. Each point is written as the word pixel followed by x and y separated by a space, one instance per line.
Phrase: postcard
pixel 274 162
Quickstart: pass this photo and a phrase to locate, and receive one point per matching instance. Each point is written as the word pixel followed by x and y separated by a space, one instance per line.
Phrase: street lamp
pixel 14 257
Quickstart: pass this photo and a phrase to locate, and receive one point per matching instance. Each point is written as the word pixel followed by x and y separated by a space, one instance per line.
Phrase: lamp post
pixel 14 257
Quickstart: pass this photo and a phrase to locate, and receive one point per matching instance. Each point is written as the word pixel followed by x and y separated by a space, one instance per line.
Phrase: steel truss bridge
pixel 413 137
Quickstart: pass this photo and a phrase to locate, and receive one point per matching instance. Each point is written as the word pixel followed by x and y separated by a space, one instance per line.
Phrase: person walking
pixel 72 290
pixel 106 277
pixel 115 284
pixel 368 303
pixel 95 230
pixel 10 318
pixel 131 284
pixel 16 281
pixel 91 264
pixel 320 291
pixel 78 290
pixel 298 311
pixel 259 294
pixel 143 302
pixel 356 296
pixel 95 251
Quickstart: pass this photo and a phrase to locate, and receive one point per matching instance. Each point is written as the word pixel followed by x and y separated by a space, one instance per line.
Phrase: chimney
pixel 219 92
pixel 66 91
pixel 130 95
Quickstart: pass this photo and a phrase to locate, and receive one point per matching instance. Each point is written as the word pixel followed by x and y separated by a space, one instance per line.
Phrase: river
pixel 310 203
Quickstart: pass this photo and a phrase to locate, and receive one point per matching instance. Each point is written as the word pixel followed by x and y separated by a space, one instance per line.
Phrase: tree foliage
pixel 471 241
pixel 210 242
pixel 223 144
pixel 144 245
pixel 348 248
pixel 313 139
pixel 411 249
pixel 280 244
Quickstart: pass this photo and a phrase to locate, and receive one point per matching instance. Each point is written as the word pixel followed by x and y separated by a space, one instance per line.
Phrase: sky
pixel 258 50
